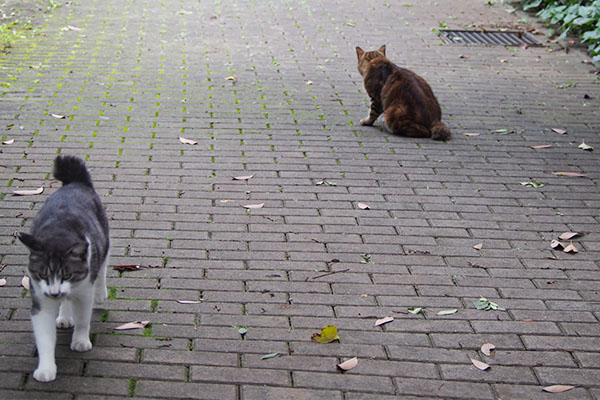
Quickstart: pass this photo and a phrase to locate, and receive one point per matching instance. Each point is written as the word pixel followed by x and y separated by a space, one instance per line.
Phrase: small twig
pixel 330 273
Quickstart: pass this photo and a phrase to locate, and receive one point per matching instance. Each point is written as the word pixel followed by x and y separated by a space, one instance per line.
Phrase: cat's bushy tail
pixel 439 131
pixel 68 169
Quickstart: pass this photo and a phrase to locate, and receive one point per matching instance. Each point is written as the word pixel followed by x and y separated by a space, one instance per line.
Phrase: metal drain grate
pixel 489 38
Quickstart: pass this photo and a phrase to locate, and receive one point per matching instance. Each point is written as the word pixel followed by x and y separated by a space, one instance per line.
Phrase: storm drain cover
pixel 489 38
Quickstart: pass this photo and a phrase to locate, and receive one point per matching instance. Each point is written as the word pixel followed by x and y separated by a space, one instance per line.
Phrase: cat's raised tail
pixel 439 131
pixel 68 169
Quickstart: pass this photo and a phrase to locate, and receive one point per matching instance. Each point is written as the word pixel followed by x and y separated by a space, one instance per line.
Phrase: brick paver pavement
pixel 131 77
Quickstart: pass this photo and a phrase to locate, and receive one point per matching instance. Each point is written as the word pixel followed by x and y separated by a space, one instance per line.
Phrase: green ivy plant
pixel 578 17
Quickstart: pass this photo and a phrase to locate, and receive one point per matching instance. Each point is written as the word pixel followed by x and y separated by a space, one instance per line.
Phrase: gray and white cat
pixel 69 247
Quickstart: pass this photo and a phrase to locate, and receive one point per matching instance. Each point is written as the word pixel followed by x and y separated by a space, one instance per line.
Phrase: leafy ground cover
pixel 577 17
pixel 21 17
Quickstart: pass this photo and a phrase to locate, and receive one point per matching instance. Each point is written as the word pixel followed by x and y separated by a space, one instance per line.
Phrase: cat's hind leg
pixel 398 122
pixel 65 315
pixel 100 290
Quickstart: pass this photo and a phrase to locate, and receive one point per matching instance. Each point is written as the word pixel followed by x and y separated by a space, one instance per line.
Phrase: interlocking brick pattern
pixel 132 76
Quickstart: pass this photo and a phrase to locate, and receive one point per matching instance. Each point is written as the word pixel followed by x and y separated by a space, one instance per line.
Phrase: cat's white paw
pixel 81 345
pixel 100 295
pixel 45 374
pixel 365 122
pixel 64 323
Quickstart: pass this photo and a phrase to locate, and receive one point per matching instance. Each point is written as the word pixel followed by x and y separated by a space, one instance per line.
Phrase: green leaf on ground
pixel 486 305
pixel 269 356
pixel 447 312
pixel 242 330
pixel 415 310
pixel 328 334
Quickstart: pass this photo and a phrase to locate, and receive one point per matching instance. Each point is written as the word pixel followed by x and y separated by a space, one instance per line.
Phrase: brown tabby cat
pixel 407 102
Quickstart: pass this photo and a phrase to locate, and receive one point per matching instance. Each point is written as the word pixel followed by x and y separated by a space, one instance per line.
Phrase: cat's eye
pixel 66 277
pixel 43 276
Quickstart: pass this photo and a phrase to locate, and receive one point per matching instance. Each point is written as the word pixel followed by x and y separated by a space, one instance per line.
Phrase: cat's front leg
pixel 82 315
pixel 374 113
pixel 43 320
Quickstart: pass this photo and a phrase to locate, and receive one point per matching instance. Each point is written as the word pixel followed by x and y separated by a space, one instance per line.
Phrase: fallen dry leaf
pixel 555 244
pixel 560 131
pixel 25 282
pixel 59 116
pixel 364 206
pixel 570 174
pixel 328 334
pixel 557 388
pixel 9 141
pixel 243 177
pixel 309 83
pixel 471 134
pixel 2 282
pixel 478 246
pixel 73 28
pixel 189 301
pixel 29 192
pixel 463 56
pixel 568 235
pixel 541 146
pixel 126 267
pixel 187 141
pixel 383 321
pixel 232 78
pixel 348 364
pixel 132 325
pixel 254 206
pixel 488 349
pixel 480 365
pixel 571 249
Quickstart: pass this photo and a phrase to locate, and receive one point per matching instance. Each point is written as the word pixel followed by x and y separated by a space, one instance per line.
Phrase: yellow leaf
pixel 328 334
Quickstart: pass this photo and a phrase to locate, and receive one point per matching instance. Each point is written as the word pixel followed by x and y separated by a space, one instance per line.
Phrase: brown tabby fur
pixel 407 102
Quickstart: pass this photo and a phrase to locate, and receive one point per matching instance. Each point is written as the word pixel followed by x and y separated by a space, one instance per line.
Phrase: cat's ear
pixel 382 50
pixel 359 52
pixel 30 241
pixel 80 250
